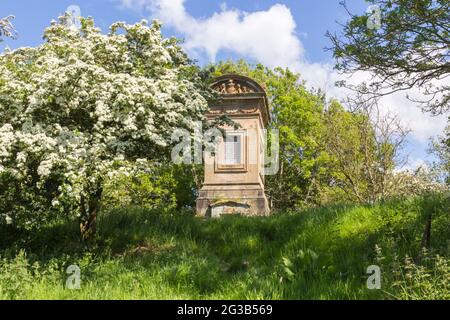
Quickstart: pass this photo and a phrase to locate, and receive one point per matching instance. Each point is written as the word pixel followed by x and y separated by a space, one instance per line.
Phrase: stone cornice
pixel 239 95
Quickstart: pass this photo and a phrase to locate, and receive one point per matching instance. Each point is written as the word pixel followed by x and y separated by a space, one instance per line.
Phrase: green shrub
pixel 164 187
pixel 425 280
pixel 15 276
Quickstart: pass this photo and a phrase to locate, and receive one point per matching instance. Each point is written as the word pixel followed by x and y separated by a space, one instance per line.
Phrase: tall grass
pixel 321 253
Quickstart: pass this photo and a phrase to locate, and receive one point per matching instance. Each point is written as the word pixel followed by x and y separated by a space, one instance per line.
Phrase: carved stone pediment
pixel 232 87
pixel 235 84
pixel 239 96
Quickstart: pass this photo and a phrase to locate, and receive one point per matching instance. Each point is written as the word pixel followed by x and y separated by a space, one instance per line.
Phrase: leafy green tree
pixel 409 48
pixel 163 187
pixel 84 106
pixel 364 149
pixel 327 152
pixel 441 148
pixel 351 144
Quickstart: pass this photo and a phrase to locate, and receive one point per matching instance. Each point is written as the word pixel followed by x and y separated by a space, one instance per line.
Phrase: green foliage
pixel 441 148
pixel 303 265
pixel 163 187
pixel 29 204
pixel 327 153
pixel 15 277
pixel 429 280
pixel 318 253
pixel 408 49
pixel 151 190
pixel 361 164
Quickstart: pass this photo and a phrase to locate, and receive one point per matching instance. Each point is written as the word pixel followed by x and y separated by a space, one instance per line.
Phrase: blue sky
pixel 313 18
pixel 287 33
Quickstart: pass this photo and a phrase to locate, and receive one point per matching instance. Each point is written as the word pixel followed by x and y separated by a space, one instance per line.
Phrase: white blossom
pixel 75 106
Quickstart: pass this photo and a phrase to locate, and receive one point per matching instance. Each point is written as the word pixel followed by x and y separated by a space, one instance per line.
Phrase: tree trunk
pixel 426 238
pixel 88 223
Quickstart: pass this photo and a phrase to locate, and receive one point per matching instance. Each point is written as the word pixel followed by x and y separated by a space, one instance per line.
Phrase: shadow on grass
pixel 320 253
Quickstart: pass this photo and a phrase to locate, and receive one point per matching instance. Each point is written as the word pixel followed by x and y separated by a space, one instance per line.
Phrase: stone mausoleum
pixel 234 178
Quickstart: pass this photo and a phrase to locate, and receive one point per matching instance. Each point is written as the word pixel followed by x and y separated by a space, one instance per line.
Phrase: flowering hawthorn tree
pixel 6 28
pixel 83 106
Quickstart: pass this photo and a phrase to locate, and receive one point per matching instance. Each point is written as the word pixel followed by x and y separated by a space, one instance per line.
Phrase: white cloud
pixel 422 125
pixel 267 36
pixel 270 37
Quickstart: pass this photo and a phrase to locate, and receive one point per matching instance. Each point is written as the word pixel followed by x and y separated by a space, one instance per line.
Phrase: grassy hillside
pixel 319 253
